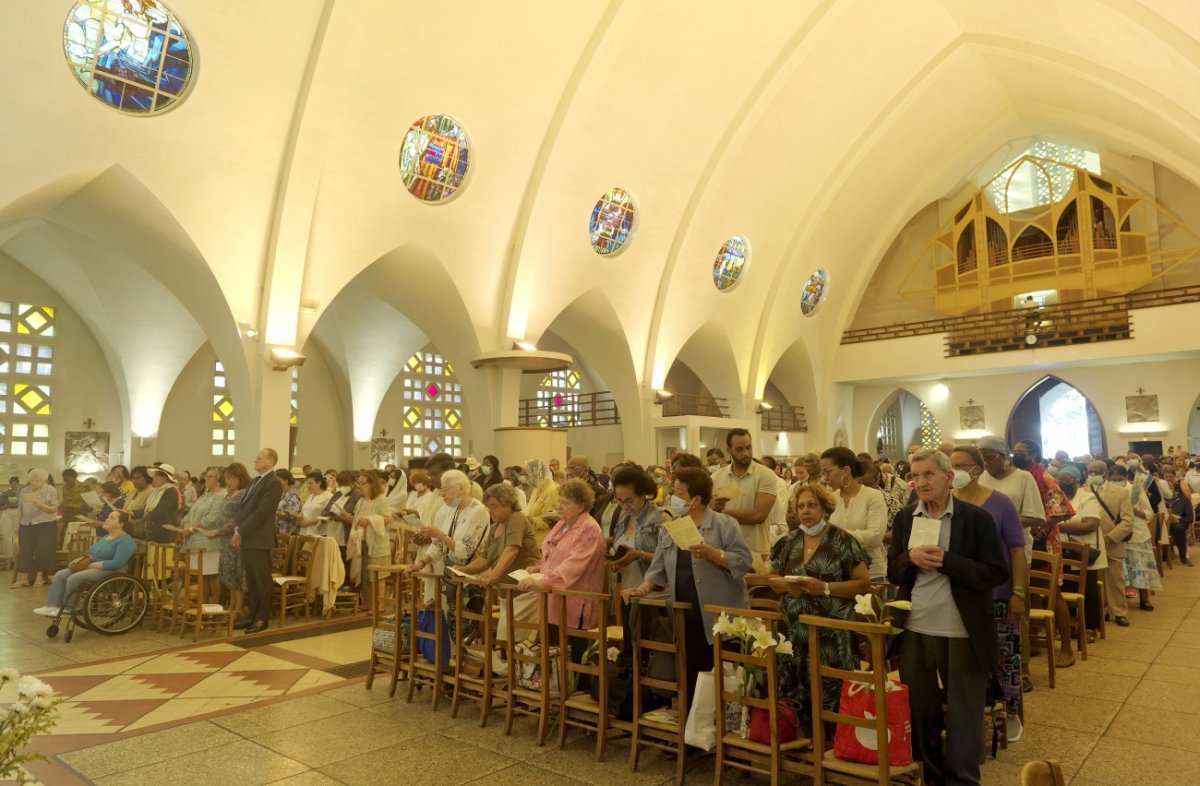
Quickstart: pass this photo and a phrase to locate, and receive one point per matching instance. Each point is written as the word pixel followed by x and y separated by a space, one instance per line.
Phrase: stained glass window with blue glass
pixel 131 54
pixel 612 222
pixel 730 262
pixel 434 158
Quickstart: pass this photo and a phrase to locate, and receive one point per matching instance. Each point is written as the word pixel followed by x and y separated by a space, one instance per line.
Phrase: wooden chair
pixel 189 600
pixel 422 672
pixel 577 708
pixel 1043 585
pixel 1163 550
pixel 825 764
pixel 646 732
pixel 520 699
pixel 387 615
pixel 771 759
pixel 1074 563
pixel 761 595
pixel 294 587
pixel 159 573
pixel 281 558
pixel 79 543
pixel 1103 605
pixel 472 677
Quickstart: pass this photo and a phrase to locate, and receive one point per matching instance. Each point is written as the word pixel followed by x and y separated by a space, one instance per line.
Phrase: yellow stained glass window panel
pixel 452 419
pixel 226 408
pixel 412 416
pixel 414 364
pixel 32 399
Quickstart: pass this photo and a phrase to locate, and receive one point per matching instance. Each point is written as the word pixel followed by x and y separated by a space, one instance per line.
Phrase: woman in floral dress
pixel 816 569
pixel 237 480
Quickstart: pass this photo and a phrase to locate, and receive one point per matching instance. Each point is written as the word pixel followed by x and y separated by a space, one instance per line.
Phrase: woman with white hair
pixel 542 509
pixel 457 529
pixel 37 517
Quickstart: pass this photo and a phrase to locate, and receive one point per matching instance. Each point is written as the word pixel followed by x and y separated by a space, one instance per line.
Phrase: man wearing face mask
pixel 1115 512
pixel 946 558
pixel 715 458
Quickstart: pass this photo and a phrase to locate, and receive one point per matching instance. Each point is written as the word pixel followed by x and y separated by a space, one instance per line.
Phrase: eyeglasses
pixel 626 501
pixel 964 467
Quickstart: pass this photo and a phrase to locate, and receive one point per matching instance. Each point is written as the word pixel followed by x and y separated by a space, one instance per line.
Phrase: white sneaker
pixel 1015 729
pixel 47 611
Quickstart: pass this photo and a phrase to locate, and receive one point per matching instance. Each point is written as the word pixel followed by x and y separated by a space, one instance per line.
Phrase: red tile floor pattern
pixel 136 693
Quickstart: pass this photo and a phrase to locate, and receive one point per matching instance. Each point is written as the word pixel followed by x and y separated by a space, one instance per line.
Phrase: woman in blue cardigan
pixel 108 555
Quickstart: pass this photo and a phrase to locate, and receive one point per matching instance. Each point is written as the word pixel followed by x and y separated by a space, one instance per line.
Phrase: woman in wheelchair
pixel 108 555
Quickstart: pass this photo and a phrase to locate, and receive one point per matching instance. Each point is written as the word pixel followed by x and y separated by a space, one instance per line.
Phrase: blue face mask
pixel 454 503
pixel 816 529
pixel 1096 480
pixel 678 506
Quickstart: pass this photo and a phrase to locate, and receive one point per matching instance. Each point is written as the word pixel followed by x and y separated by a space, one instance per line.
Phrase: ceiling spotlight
pixel 526 346
pixel 660 396
pixel 764 406
pixel 283 358
pixel 246 330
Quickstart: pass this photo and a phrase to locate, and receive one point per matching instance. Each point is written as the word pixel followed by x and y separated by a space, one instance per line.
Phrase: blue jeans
pixel 67 583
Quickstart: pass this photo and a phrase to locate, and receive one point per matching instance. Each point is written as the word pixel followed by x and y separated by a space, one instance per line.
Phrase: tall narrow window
pixel 27 341
pixel 433 415
pixel 931 432
pixel 558 399
pixel 295 421
pixel 223 431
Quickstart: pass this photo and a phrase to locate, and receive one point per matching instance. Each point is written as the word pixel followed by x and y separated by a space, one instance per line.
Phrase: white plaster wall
pixel 323 436
pixel 185 435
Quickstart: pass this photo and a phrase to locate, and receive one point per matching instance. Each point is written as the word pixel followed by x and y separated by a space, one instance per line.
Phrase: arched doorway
pixel 1059 417
pixel 906 421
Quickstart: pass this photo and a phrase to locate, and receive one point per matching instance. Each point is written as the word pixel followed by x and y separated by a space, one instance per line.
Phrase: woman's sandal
pixel 38 583
pixel 19 584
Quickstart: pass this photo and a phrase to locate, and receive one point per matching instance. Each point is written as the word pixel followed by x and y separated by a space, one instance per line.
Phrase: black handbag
pixel 619 673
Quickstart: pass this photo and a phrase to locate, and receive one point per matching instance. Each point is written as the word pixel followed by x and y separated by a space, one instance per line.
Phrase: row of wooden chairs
pixel 465 673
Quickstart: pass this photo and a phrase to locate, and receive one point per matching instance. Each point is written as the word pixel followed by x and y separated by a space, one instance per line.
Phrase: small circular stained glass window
pixel 814 292
pixel 612 222
pixel 131 54
pixel 434 158
pixel 730 262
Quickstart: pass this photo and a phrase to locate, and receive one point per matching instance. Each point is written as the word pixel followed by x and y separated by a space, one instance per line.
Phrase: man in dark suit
pixel 254 533
pixel 946 558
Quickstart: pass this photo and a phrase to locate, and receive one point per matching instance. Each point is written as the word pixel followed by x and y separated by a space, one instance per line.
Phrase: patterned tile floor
pixel 1129 714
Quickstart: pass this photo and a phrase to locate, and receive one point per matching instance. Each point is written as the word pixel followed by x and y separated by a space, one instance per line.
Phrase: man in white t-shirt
pixel 758 487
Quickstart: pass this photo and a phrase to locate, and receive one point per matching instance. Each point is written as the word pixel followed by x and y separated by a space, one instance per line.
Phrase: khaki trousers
pixel 1114 588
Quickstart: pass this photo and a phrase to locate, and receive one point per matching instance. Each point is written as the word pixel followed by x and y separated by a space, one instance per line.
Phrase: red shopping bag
pixel 855 743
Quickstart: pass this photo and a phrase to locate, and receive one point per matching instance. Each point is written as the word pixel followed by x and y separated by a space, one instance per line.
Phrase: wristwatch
pixel 827 589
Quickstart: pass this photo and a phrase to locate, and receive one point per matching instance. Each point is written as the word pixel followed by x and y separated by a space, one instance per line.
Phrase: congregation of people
pixel 951 529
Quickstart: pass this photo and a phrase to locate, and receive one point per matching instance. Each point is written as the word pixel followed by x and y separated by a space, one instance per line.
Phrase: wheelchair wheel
pixel 52 631
pixel 115 605
pixel 68 636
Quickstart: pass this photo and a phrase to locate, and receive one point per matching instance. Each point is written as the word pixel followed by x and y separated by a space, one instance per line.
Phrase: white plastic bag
pixel 701 729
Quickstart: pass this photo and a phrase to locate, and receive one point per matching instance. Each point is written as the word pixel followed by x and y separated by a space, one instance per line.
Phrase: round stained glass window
pixel 730 262
pixel 612 222
pixel 814 292
pixel 131 54
pixel 434 158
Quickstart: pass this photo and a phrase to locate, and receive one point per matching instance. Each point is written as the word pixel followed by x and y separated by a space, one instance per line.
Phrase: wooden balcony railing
pixel 570 409
pixel 689 404
pixel 1060 324
pixel 784 419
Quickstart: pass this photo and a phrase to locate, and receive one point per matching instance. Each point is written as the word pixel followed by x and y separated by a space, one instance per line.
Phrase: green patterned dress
pixel 834 560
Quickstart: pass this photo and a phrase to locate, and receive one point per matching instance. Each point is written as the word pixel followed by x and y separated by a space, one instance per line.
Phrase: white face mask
pixel 962 478
pixel 1096 480
pixel 486 469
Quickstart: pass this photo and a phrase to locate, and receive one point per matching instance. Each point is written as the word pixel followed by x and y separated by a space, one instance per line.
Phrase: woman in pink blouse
pixel 572 556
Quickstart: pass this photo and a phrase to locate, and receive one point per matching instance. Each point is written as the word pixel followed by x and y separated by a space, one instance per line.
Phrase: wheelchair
pixel 113 605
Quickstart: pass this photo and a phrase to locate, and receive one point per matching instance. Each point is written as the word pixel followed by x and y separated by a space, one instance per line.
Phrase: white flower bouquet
pixel 753 638
pixel 34 712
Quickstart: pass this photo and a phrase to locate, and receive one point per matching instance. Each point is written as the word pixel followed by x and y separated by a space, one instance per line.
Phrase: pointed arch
pixel 591 329
pixel 144 289
pixel 384 301
pixel 902 419
pixel 709 355
pixel 1058 415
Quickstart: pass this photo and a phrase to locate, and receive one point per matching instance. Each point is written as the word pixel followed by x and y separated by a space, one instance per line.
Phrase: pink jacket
pixel 574 560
